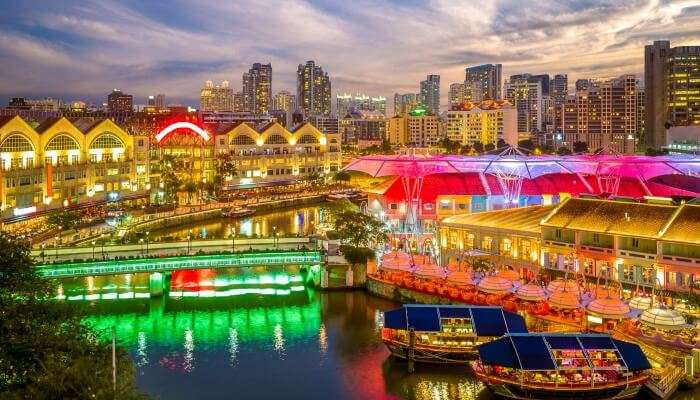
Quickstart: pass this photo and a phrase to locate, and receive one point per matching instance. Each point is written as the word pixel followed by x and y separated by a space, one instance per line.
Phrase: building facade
pixel 257 89
pixel 525 93
pixel 216 98
pixel 363 128
pixel 117 101
pixel 484 122
pixel 489 77
pixel 559 89
pixel 672 89
pixel 61 162
pixel 313 90
pixel 404 103
pixel 430 93
pixel 604 115
pixel 413 130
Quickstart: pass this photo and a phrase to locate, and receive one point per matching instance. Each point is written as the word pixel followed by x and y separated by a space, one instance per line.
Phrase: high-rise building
pixel 415 129
pixel 346 103
pixel 327 125
pixel 257 88
pixel 285 103
pixel 456 94
pixel 604 116
pixel 313 90
pixel 582 84
pixel 559 89
pixel 239 102
pixel 484 122
pixel 525 93
pixel 489 77
pixel 404 103
pixel 430 93
pixel 672 89
pixel 160 101
pixel 363 128
pixel 641 102
pixel 397 130
pixel 216 98
pixel 151 101
pixel 343 104
pixel 120 102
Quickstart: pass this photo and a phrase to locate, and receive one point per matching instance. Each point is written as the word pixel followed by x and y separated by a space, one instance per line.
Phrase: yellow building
pixel 397 130
pixel 485 122
pixel 636 245
pixel 61 162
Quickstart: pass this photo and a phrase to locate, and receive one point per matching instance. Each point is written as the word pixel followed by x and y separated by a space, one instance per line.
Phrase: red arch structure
pixel 168 130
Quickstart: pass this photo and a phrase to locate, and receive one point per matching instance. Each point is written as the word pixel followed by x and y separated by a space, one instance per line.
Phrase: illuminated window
pixel 242 140
pixel 107 141
pixel 62 142
pixel 16 143
pixel 307 139
pixel 276 139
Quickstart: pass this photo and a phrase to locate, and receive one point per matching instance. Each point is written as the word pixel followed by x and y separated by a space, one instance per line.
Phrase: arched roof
pixel 106 140
pixel 16 142
pixel 62 142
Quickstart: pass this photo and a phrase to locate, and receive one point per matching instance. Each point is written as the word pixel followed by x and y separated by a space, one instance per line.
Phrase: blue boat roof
pixel 487 321
pixel 533 351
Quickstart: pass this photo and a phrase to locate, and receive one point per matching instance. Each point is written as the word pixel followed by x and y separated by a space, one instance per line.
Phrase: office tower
pixel 413 129
pixel 484 122
pixel 543 79
pixel 525 93
pixel 397 130
pixel 151 101
pixel 160 101
pixel 363 128
pixel 216 98
pixel 378 103
pixel 284 103
pixel 559 89
pixel 456 94
pixel 239 102
pixel 257 89
pixel 430 93
pixel 548 114
pixel 641 102
pixel 582 84
pixel 473 92
pixel 120 102
pixel 604 115
pixel 672 89
pixel 343 104
pixel 403 103
pixel 327 125
pixel 489 77
pixel 313 90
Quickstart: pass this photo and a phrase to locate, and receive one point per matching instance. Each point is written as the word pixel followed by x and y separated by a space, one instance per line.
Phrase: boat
pixel 237 212
pixel 445 334
pixel 560 365
pixel 354 195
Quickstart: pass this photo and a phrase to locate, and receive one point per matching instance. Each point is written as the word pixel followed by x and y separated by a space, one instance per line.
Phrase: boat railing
pixel 640 379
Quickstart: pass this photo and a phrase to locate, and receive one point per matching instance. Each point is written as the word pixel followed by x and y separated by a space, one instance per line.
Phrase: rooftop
pixel 524 219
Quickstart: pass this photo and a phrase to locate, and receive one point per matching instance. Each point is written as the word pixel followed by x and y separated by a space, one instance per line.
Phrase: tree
pixel 489 147
pixel 526 144
pixel 478 147
pixel 359 230
pixel 465 150
pixel 67 220
pixel 448 145
pixel 563 151
pixel 189 187
pixel 342 176
pixel 501 143
pixel 357 255
pixel 580 147
pixel 45 351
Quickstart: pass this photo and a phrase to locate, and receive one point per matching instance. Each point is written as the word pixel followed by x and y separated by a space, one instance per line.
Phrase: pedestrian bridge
pixel 173 263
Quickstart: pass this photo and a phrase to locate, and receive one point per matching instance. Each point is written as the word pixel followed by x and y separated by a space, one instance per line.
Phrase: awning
pixel 533 351
pixel 487 321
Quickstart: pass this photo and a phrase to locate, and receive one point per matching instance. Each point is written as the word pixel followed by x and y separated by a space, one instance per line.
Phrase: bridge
pixel 167 264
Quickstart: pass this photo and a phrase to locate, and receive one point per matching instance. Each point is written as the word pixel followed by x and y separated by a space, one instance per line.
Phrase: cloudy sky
pixel 82 49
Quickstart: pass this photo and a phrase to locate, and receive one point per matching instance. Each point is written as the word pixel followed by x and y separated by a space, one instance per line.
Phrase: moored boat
pixel 445 334
pixel 237 212
pixel 555 366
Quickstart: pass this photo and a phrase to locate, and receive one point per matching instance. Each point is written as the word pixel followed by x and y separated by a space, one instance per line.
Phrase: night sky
pixel 82 49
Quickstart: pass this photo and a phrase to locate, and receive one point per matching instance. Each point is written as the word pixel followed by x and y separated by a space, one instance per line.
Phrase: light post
pixel 102 242
pixel 93 249
pixel 274 235
pixel 141 242
pixel 189 241
pixel 147 232
pixel 56 246
pixel 233 239
pixel 43 246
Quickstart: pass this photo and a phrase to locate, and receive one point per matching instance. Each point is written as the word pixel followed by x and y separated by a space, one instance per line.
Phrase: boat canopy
pixel 534 351
pixel 487 321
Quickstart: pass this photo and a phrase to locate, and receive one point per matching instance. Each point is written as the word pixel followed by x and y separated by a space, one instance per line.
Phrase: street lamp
pixel 43 245
pixel 102 242
pixel 189 241
pixel 147 232
pixel 233 239
pixel 141 242
pixel 93 249
pixel 274 234
pixel 56 246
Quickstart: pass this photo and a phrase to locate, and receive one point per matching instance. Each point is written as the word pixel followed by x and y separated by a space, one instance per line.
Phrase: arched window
pixel 106 141
pixel 62 142
pixel 307 139
pixel 16 143
pixel 276 139
pixel 242 140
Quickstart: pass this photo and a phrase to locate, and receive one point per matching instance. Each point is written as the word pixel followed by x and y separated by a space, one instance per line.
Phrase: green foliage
pixel 580 147
pixel 563 151
pixel 478 147
pixel 526 144
pixel 359 230
pixel 357 255
pixel 341 176
pixel 489 147
pixel 67 220
pixel 225 166
pixel 650 151
pixel 45 351
pixel 448 145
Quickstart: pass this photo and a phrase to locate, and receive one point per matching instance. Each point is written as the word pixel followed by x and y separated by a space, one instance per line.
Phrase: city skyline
pixel 75 51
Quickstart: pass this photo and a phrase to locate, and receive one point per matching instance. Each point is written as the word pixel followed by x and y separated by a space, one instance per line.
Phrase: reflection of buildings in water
pixel 322 341
pixel 232 346
pixel 279 340
pixel 188 364
pixel 142 350
pixel 440 383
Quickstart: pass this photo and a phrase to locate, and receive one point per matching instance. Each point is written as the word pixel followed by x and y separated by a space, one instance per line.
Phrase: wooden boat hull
pixel 513 391
pixel 425 355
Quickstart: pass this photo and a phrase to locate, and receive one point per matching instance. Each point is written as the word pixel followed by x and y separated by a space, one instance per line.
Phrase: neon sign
pixel 182 125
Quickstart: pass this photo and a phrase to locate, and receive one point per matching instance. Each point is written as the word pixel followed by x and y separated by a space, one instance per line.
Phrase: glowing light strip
pixel 180 125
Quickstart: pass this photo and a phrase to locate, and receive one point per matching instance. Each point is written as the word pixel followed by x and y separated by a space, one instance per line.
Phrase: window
pixel 62 142
pixel 107 141
pixel 242 140
pixel 557 234
pixel 16 143
pixel 393 206
pixel 307 139
pixel 428 206
pixel 486 243
pixel 635 243
pixel 140 143
pixel 276 139
pixel 628 273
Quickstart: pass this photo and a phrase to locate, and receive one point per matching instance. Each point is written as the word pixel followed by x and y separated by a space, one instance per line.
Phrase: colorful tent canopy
pixel 495 285
pixel 487 321
pixel 564 300
pixel 608 307
pixel 560 285
pixel 640 302
pixel 396 260
pixel 430 271
pixel 508 274
pixel 459 277
pixel 534 351
pixel 662 318
pixel 531 292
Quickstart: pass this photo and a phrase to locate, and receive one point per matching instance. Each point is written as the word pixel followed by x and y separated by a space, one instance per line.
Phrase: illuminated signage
pixel 594 319
pixel 24 211
pixel 182 125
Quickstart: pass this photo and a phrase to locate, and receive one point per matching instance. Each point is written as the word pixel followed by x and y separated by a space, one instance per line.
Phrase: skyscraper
pixel 430 93
pixel 559 89
pixel 285 102
pixel 160 101
pixel 257 88
pixel 313 90
pixel 216 98
pixel 120 102
pixel 346 103
pixel 403 103
pixel 604 115
pixel 490 78
pixel 525 93
pixel 672 89
pixel 456 94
